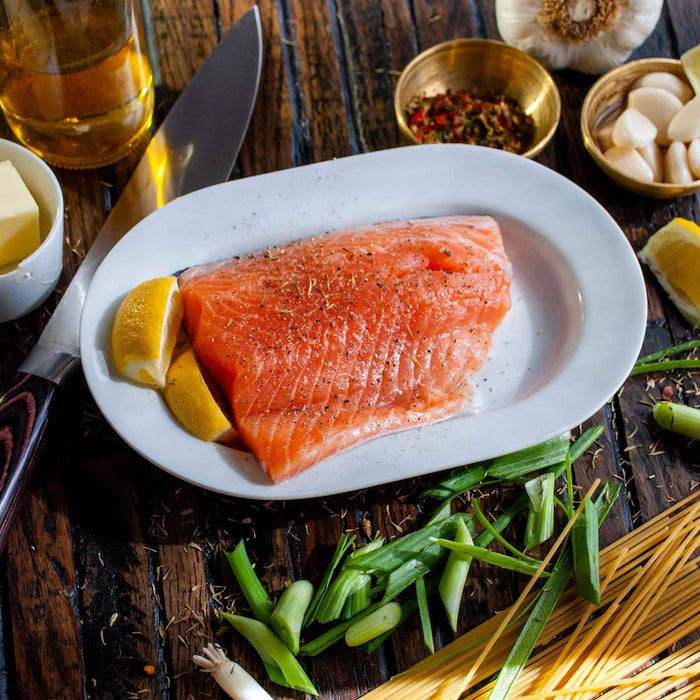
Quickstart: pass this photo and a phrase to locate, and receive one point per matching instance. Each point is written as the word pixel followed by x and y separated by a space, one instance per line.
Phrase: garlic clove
pixel 655 160
pixel 676 166
pixel 666 81
pixel 630 162
pixel 604 136
pixel 658 105
pixel 685 125
pixel 694 158
pixel 633 129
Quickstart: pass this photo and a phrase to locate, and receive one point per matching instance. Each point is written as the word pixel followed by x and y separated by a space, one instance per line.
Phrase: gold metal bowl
pixel 480 66
pixel 604 101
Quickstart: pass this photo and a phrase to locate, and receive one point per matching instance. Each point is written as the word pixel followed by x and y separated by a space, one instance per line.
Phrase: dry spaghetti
pixel 635 645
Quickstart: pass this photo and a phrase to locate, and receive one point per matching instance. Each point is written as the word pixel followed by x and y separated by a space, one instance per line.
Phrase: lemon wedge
pixel 673 255
pixel 192 402
pixel 690 61
pixel 145 330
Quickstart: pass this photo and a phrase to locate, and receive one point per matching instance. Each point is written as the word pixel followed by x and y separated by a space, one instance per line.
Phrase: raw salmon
pixel 327 341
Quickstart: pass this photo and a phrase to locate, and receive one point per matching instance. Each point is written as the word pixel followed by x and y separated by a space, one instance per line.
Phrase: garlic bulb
pixel 591 36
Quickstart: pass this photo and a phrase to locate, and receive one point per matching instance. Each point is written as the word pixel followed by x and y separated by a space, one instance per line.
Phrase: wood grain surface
pixel 113 574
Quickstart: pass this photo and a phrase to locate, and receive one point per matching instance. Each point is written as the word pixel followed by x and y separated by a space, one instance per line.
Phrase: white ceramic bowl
pixel 29 284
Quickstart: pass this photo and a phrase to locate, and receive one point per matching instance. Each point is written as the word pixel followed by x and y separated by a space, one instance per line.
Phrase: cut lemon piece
pixel 673 255
pixel 690 61
pixel 145 330
pixel 192 402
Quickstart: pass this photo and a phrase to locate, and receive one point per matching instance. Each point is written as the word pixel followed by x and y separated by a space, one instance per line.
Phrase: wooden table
pixel 114 571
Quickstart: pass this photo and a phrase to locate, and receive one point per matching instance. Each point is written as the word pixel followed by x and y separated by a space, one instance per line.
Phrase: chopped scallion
pixel 253 591
pixel 385 618
pixel 279 661
pixel 584 545
pixel 424 613
pixel 287 616
pixel 504 561
pixel 454 577
pixel 678 418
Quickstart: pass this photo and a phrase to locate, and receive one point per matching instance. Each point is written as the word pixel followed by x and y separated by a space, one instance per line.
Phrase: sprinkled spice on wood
pixel 460 117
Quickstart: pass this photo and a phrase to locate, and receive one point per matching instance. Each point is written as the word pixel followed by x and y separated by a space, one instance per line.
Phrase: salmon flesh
pixel 327 341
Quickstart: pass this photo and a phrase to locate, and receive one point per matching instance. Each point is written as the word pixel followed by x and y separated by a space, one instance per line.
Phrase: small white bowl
pixel 29 284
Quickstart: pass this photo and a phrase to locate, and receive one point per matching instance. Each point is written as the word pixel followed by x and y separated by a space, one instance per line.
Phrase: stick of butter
pixel 19 217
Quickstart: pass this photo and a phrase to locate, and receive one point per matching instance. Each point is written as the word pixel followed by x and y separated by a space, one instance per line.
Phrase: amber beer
pixel 76 85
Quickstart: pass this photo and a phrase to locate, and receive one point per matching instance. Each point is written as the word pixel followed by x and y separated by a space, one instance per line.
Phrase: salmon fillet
pixel 330 340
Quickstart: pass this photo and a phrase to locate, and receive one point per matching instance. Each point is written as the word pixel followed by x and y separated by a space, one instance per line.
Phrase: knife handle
pixel 24 411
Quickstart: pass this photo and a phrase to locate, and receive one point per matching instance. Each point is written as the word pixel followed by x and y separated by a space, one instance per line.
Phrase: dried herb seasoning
pixel 461 117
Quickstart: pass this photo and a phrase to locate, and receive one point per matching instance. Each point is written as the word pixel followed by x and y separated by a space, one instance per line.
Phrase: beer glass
pixel 76 85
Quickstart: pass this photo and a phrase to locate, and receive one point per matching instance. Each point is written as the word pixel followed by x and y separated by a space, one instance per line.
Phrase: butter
pixel 19 217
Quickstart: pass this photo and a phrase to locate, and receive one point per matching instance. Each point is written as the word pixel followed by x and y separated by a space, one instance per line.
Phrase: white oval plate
pixel 566 346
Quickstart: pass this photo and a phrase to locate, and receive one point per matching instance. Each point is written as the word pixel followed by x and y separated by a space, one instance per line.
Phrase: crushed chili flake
pixel 460 117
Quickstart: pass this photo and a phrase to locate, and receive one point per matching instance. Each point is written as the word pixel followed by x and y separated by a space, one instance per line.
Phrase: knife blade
pixel 195 146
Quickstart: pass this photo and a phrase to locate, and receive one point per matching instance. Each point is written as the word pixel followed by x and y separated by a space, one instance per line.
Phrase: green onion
pixel 542 610
pixel 649 363
pixel 280 663
pixel 678 418
pixel 408 607
pixel 344 543
pixel 253 591
pixel 494 533
pixel 334 634
pixel 424 613
pixel 410 547
pixel 347 582
pixel 544 605
pixel 287 616
pixel 385 618
pixel 358 601
pixel 503 561
pixel 540 518
pixel 584 544
pixel 531 459
pixel 506 468
pixel 454 577
pixel 584 441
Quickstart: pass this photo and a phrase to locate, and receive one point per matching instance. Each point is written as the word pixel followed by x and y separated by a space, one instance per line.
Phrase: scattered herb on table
pixel 482 120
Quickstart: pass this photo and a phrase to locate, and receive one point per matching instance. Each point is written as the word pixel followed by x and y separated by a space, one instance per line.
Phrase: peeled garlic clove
pixel 655 160
pixel 685 125
pixel 658 105
pixel 630 162
pixel 676 166
pixel 694 158
pixel 633 129
pixel 666 81
pixel 604 136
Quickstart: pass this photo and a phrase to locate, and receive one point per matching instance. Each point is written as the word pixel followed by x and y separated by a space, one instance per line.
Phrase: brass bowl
pixel 604 101
pixel 480 66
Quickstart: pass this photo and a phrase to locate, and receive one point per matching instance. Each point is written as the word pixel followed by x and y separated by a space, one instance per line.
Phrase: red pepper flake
pixel 482 120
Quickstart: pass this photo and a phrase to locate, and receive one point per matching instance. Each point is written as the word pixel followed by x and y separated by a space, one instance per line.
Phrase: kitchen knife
pixel 196 146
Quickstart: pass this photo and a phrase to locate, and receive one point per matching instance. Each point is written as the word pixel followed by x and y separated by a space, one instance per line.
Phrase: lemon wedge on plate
pixel 690 61
pixel 193 403
pixel 673 255
pixel 145 330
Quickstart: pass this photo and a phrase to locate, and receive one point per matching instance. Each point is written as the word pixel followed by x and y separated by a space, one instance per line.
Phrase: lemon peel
pixel 192 402
pixel 690 61
pixel 145 330
pixel 673 255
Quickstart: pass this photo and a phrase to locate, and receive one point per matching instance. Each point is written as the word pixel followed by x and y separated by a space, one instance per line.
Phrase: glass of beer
pixel 76 85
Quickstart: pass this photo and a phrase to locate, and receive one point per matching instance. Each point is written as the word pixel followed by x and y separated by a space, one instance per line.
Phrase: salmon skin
pixel 330 340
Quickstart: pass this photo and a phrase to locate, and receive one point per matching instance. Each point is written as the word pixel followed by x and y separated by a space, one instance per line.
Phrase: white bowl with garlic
pixel 31 231
pixel 641 124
